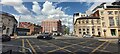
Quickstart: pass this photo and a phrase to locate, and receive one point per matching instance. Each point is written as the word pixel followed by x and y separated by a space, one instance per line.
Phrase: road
pixel 65 46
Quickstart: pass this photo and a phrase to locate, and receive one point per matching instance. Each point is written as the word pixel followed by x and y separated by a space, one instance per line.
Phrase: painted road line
pixel 57 48
pixel 107 44
pixel 86 47
pixel 98 47
pixel 23 45
pixel 66 47
pixel 38 47
pixel 34 52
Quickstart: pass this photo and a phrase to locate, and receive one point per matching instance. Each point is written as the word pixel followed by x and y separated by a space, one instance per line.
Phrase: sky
pixel 36 11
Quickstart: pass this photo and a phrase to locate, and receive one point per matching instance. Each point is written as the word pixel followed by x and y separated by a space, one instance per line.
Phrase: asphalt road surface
pixel 65 46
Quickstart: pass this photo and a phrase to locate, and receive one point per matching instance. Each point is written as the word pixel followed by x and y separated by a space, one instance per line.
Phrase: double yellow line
pixel 23 45
pixel 98 47
pixel 67 46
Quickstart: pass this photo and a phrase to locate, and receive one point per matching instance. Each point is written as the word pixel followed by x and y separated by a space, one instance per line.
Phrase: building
pixel 27 25
pixel 51 25
pixel 8 24
pixel 78 15
pixel 22 31
pixel 37 29
pixel 87 25
pixel 33 29
pixel 110 19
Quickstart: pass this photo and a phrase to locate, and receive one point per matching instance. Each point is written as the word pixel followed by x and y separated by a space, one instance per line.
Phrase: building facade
pixel 78 15
pixel 110 19
pixel 8 24
pixel 33 29
pixel 87 25
pixel 51 25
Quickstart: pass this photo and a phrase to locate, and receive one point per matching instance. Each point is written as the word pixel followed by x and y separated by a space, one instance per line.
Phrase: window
pixel 102 12
pixel 83 29
pixel 79 29
pixel 79 22
pixel 84 15
pixel 98 29
pixel 87 29
pixel 111 21
pixel 113 32
pixel 87 32
pixel 87 21
pixel 81 15
pixel 117 20
pixel 9 19
pixel 92 28
pixel 110 12
pixel 79 32
pixel 92 21
pixel 116 12
pixel 83 21
pixel 103 24
pixel 98 21
pixel 7 31
pixel 102 18
pixel 76 14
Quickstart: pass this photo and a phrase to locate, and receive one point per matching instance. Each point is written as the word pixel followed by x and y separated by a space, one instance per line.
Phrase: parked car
pixel 5 38
pixel 87 36
pixel 45 36
pixel 119 41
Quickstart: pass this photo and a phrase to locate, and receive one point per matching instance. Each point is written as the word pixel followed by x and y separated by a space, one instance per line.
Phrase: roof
pixel 51 20
pixel 86 18
pixel 9 15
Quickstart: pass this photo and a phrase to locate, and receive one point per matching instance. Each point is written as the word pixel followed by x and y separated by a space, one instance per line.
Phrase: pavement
pixel 70 37
pixel 65 46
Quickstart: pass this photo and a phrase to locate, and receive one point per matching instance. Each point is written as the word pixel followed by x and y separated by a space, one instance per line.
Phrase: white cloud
pixel 36 8
pixel 57 13
pixel 97 3
pixel 48 11
pixel 11 2
pixel 17 4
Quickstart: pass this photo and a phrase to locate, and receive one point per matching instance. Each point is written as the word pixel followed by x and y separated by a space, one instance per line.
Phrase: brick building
pixel 51 25
pixel 33 29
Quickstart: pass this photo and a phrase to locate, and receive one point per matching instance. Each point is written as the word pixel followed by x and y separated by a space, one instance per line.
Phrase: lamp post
pixel 104 33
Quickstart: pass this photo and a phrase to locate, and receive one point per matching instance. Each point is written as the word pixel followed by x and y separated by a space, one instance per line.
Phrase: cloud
pixel 48 11
pixel 36 8
pixel 17 4
pixel 97 3
pixel 55 4
pixel 66 9
pixel 94 5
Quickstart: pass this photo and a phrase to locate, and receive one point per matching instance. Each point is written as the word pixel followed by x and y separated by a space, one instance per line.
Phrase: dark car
pixel 5 38
pixel 45 36
pixel 119 41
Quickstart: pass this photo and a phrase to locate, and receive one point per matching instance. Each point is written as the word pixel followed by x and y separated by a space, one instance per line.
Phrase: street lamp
pixel 104 32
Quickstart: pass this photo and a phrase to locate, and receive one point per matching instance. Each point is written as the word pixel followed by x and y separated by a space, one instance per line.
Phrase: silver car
pixel 87 36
